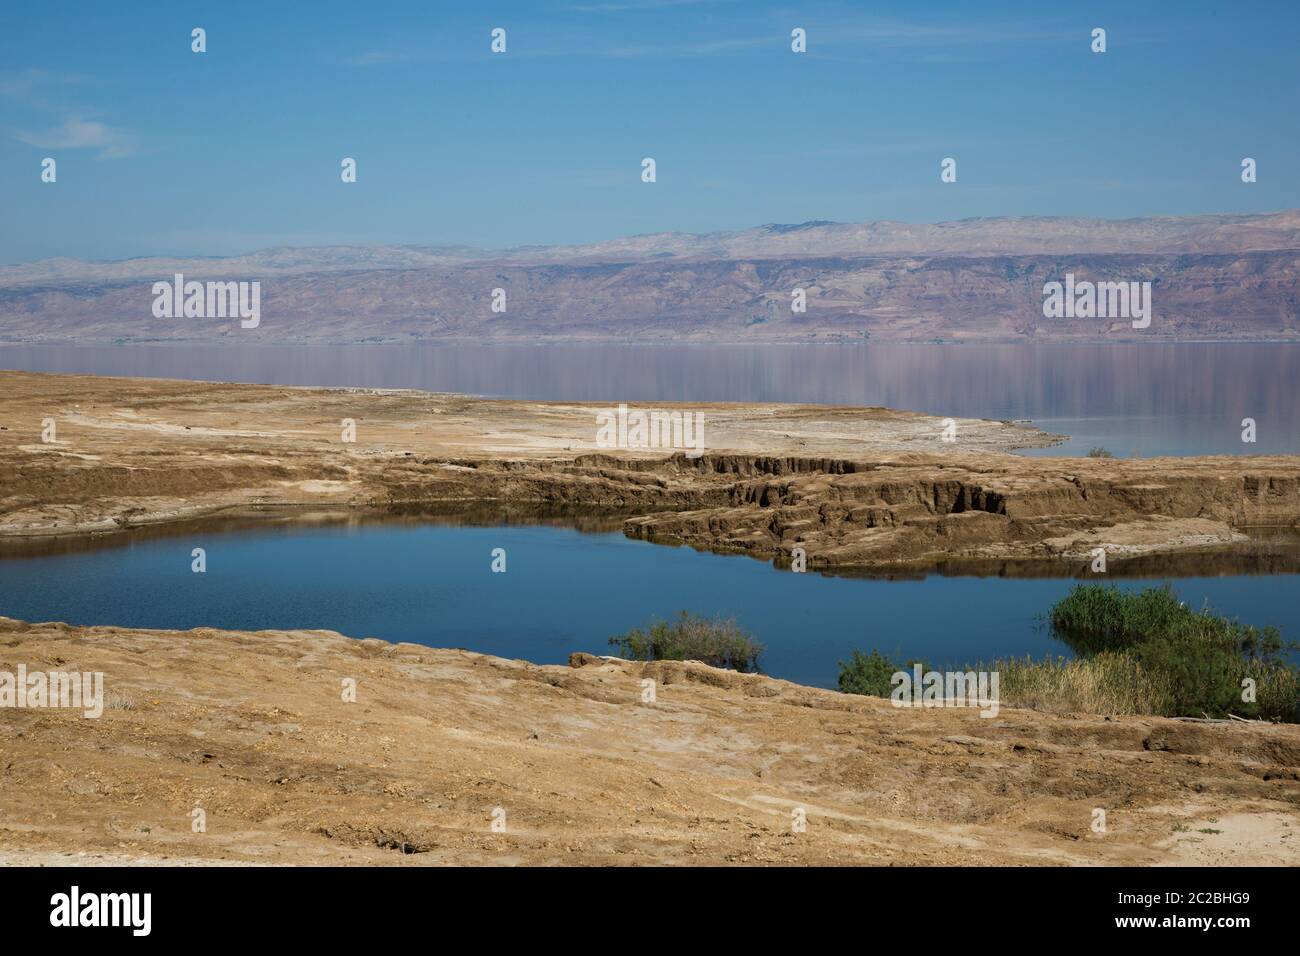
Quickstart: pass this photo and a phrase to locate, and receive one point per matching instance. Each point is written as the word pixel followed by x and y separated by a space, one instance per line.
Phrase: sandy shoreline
pixel 864 489
pixel 251 728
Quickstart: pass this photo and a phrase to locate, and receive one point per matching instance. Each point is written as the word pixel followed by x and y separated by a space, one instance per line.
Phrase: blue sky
pixel 163 151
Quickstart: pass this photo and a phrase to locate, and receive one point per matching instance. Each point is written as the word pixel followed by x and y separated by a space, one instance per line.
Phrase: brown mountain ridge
pixel 1212 277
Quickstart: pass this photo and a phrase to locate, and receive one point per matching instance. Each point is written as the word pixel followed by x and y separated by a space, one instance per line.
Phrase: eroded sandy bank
pixel 870 489
pixel 252 730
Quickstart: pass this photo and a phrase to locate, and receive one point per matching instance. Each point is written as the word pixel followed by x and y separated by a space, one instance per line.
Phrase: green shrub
pixel 691 637
pixel 872 674
pixel 1137 653
pixel 1094 618
pixel 1099 452
pixel 868 674
pixel 1196 659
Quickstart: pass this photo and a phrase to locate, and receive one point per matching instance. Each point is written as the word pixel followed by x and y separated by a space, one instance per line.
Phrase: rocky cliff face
pixel 916 511
pixel 856 489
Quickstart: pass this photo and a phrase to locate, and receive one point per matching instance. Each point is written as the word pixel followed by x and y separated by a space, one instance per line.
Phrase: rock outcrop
pixel 857 489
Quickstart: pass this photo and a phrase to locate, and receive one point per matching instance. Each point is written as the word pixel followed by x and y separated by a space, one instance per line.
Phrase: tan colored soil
pixel 252 729
pixel 869 489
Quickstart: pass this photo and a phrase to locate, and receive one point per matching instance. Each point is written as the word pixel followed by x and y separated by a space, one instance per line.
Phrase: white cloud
pixel 707 48
pixel 378 58
pixel 83 134
pixel 625 6
pixel 32 86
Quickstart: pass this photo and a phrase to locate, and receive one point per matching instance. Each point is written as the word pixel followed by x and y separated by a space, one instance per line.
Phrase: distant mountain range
pixel 976 279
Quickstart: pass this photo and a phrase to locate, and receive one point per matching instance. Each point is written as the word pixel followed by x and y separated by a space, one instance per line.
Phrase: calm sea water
pixel 567 590
pixel 1133 398
pixel 563 590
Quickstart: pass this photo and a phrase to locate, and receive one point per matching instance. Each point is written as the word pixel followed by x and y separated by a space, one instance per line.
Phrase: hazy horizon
pixel 165 152
pixel 450 245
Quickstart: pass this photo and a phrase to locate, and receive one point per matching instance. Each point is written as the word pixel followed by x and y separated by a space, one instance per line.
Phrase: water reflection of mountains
pixel 1170 381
